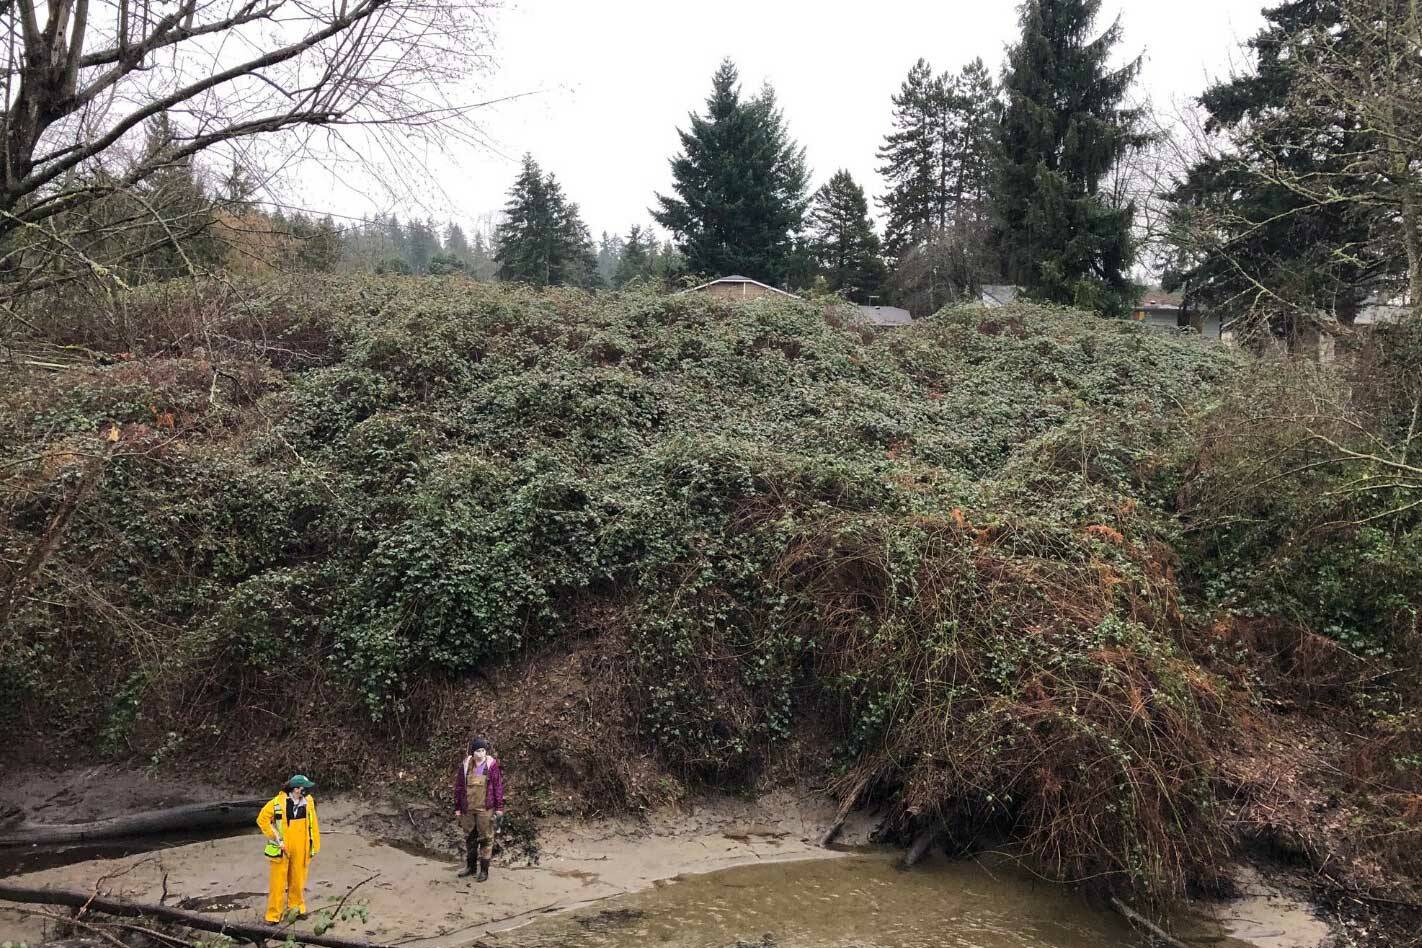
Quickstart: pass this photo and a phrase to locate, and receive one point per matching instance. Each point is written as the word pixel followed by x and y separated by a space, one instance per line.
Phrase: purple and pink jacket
pixel 494 789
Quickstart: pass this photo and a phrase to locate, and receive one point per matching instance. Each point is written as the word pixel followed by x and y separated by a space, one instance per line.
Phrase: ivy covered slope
pixel 338 522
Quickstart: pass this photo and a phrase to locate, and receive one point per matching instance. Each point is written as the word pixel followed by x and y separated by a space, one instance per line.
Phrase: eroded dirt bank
pixel 608 882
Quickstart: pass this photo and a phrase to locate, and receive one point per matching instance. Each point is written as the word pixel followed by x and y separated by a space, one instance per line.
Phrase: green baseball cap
pixel 300 780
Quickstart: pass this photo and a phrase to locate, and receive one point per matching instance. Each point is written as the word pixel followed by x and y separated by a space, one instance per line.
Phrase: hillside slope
pixel 650 543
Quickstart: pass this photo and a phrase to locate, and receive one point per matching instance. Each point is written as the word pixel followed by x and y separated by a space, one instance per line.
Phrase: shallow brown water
pixel 860 901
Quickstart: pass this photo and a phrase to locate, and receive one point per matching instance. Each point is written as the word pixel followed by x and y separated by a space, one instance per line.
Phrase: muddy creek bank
pixel 404 858
pixel 715 873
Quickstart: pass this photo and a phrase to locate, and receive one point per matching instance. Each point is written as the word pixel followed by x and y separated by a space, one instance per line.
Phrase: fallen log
pixel 921 844
pixel 845 806
pixel 189 818
pixel 831 834
pixel 1146 925
pixel 107 905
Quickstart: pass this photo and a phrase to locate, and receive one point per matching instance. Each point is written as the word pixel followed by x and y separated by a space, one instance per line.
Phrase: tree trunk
pixel 196 817
pixel 1413 238
pixel 35 895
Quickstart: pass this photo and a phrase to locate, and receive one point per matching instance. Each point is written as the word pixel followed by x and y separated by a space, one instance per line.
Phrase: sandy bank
pixel 401 859
pixel 404 858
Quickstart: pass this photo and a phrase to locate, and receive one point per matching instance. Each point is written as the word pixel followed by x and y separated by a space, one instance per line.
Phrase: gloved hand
pixel 498 822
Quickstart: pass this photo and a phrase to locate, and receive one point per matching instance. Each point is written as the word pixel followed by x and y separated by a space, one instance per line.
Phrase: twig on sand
pixel 341 904
pixel 109 877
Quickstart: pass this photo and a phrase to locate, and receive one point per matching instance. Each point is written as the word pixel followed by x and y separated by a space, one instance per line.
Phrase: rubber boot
pixel 468 870
pixel 483 875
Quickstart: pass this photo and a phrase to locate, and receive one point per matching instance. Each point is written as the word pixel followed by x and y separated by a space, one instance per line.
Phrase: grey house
pixel 885 315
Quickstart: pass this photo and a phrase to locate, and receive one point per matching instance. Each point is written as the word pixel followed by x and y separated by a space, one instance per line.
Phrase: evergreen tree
pixel 974 113
pixel 543 240
pixel 525 238
pixel 445 263
pixel 668 266
pixel 368 244
pixel 1063 129
pixel 1248 243
pixel 609 254
pixel 938 162
pixel 576 261
pixel 636 260
pixel 457 246
pixel 842 240
pixel 482 264
pixel 911 156
pixel 175 209
pixel 937 157
pixel 318 244
pixel 238 186
pixel 421 245
pixel 740 184
pixel 397 237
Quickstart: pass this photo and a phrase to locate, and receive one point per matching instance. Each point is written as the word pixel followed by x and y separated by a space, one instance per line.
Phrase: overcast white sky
pixel 613 80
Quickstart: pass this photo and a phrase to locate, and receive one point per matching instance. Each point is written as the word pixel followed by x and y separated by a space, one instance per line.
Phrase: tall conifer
pixel 636 260
pixel 911 156
pixel 543 240
pixel 1063 129
pixel 421 246
pixel 740 184
pixel 843 241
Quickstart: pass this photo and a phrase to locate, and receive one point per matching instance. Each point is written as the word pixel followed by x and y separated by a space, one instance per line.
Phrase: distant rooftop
pixel 737 278
pixel 885 315
pixel 999 294
pixel 1159 299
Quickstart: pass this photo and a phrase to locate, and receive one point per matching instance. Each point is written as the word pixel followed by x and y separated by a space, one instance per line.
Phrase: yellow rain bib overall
pixel 295 822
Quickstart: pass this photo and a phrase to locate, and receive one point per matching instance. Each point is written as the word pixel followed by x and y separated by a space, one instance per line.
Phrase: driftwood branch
pixel 198 817
pixel 1146 925
pixel 107 905
pixel 921 844
pixel 845 806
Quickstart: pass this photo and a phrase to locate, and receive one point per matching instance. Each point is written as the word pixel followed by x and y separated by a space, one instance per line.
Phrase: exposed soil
pixel 1306 810
pixel 401 860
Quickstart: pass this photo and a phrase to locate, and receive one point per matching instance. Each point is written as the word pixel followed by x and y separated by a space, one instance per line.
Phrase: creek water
pixel 860 901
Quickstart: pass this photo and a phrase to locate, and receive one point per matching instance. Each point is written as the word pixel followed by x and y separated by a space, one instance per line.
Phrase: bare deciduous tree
pixel 82 78
pixel 1368 70
pixel 1299 209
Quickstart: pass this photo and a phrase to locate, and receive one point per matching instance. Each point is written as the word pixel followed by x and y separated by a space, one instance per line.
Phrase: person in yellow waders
pixel 293 838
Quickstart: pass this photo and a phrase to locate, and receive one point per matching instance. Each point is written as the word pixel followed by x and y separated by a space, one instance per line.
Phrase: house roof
pixel 999 294
pixel 736 278
pixel 1157 299
pixel 885 315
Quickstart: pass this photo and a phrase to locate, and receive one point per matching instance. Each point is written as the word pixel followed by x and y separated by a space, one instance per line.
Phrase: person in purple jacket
pixel 478 802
